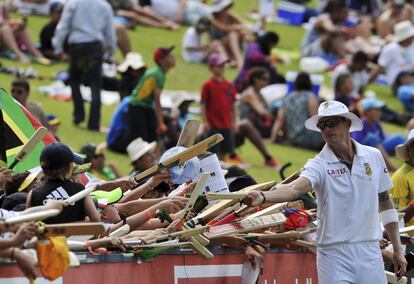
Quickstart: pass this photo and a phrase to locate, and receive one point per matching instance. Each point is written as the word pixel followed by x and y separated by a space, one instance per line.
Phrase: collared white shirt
pixel 348 200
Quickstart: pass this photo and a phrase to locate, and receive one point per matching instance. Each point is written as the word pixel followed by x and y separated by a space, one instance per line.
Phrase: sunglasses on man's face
pixel 331 123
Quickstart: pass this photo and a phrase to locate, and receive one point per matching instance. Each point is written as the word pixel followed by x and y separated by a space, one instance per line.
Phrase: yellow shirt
pixel 403 189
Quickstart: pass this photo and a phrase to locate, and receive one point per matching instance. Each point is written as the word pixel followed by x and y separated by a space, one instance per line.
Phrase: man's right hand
pixel 171 206
pixel 158 178
pixel 253 198
pixel 25 232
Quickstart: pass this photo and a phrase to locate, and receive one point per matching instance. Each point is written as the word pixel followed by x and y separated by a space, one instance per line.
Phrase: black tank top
pixel 60 190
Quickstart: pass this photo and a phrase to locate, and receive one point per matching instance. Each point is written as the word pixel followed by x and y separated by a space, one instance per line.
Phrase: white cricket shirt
pixel 348 200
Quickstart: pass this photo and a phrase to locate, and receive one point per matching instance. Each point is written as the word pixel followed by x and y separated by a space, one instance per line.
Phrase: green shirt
pixel 143 93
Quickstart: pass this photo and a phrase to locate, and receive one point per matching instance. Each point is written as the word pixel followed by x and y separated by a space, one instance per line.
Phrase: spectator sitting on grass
pixel 258 53
pixel 194 49
pixel 397 11
pixel 96 156
pixel 403 88
pixel 330 46
pixel 331 20
pixel 48 31
pixel 297 107
pixel 357 68
pixel 20 91
pixel 372 133
pixel 14 35
pixel 344 92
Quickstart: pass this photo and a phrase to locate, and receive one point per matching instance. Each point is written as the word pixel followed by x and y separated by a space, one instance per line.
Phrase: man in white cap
pixel 398 55
pixel 403 179
pixel 351 183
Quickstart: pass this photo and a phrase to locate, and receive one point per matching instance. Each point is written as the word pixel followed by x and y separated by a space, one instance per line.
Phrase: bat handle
pixel 15 162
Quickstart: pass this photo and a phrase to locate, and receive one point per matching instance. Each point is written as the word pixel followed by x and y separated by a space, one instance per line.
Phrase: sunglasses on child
pixel 331 123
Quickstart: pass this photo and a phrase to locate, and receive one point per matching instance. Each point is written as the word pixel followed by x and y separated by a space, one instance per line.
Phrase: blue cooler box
pixel 317 81
pixel 291 13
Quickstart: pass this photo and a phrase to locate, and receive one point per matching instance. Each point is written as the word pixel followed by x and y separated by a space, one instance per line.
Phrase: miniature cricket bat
pixel 246 225
pixel 29 146
pixel 120 232
pixel 224 196
pixel 78 196
pixel 405 230
pixel 36 216
pixel 182 157
pixel 392 279
pixel 194 195
pixel 189 132
pixel 73 229
pixel 210 212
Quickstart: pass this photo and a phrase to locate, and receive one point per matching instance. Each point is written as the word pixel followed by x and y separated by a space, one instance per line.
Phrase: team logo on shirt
pixel 58 194
pixel 325 105
pixel 368 170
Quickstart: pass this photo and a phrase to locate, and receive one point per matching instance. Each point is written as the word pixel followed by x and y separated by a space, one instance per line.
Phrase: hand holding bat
pixel 254 198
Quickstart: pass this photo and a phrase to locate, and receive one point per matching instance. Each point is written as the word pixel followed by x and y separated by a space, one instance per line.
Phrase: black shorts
pixel 227 146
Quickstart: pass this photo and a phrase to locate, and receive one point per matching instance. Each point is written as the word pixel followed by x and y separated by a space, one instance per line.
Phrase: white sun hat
pixel 133 60
pixel 220 5
pixel 138 147
pixel 403 30
pixel 333 108
pixel 401 150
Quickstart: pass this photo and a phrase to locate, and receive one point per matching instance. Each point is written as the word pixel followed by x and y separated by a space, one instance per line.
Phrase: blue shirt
pixel 86 21
pixel 370 135
pixel 405 94
pixel 119 122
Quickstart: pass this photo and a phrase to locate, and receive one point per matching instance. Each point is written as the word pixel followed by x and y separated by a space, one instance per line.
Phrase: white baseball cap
pixel 333 108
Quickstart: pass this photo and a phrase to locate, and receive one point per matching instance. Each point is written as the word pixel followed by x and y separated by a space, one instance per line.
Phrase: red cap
pixel 162 52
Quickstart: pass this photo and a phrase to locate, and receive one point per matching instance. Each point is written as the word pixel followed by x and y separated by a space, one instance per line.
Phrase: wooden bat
pixel 408 229
pixel 392 279
pixel 189 132
pixel 36 216
pixel 180 158
pixel 78 196
pixel 194 195
pixel 179 235
pixel 77 169
pixel 120 232
pixel 269 210
pixel 29 146
pixel 246 225
pixel 216 208
pixel 224 196
pixel 73 229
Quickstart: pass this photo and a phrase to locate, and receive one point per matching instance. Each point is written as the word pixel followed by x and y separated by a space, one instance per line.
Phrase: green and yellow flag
pixel 17 126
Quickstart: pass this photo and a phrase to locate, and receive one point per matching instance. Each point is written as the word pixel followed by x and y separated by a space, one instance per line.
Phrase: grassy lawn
pixel 186 77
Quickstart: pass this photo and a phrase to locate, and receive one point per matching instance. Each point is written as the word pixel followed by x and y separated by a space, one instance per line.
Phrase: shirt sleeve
pixel 312 172
pixel 385 57
pixel 63 28
pixel 385 179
